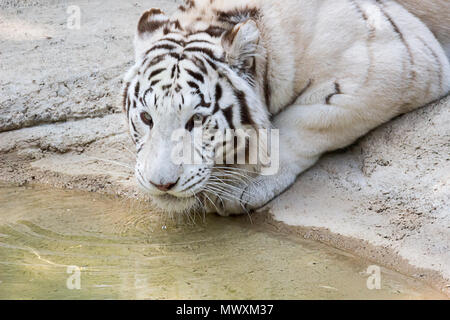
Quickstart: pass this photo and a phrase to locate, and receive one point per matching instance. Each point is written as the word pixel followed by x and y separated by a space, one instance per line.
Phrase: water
pixel 121 251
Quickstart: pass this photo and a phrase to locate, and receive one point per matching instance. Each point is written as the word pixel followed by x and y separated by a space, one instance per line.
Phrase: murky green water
pixel 125 252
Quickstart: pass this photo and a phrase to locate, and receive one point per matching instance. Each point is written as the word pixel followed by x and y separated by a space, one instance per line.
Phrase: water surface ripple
pixel 123 251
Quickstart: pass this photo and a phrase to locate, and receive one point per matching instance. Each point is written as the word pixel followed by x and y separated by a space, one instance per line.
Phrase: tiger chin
pixel 320 75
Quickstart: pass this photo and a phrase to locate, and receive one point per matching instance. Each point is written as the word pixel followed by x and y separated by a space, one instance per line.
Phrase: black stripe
pixel 215 31
pixel 160 46
pixel 388 17
pixel 438 62
pixel 245 112
pixel 148 25
pixel 205 51
pixel 198 182
pixel 133 106
pixel 155 61
pixel 137 89
pixel 181 43
pixel 190 3
pixel 203 103
pixel 175 56
pixel 212 31
pixel 161 57
pixel 267 87
pixel 219 92
pixel 337 90
pixel 154 82
pixel 198 41
pixel 128 106
pixel 218 96
pixel 397 30
pixel 132 125
pixel 177 25
pixel 155 73
pixel 246 118
pixel 125 97
pixel 228 113
pixel 200 64
pixel 168 31
pixel 145 95
pixel 212 64
pixel 193 85
pixel 238 15
pixel 195 75
pixel 359 9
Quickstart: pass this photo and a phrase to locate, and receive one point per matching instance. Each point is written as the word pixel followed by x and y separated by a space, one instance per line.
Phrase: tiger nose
pixel 165 187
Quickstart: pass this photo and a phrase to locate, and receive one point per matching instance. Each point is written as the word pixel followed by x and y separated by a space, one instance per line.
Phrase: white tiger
pixel 323 72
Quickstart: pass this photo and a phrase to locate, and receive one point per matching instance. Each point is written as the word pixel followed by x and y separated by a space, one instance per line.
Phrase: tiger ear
pixel 150 22
pixel 240 44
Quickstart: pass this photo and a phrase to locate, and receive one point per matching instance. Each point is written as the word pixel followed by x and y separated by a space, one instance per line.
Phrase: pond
pixel 57 244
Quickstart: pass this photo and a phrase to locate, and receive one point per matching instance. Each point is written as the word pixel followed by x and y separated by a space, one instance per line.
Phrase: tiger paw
pixel 234 204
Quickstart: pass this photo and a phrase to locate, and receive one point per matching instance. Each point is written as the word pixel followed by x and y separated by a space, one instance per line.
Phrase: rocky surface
pixel 391 189
pixel 60 116
pixel 386 198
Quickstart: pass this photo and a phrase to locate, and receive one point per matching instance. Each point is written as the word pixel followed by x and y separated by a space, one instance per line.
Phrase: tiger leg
pixel 305 133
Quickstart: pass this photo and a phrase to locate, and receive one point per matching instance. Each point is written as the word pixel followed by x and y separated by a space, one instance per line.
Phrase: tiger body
pixel 322 72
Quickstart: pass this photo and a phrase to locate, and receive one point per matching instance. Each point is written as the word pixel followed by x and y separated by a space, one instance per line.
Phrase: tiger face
pixel 185 79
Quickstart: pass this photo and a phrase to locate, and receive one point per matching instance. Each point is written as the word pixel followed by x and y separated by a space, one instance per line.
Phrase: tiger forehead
pixel 193 49
pixel 170 74
pixel 178 76
pixel 183 44
pixel 177 93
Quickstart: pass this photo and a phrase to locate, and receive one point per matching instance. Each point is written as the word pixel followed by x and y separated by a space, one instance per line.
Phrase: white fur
pixel 337 69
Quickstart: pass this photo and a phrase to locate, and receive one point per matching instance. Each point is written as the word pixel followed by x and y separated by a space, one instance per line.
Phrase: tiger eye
pixel 147 119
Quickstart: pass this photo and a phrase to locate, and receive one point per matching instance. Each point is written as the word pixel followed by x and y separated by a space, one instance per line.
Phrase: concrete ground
pixel 386 198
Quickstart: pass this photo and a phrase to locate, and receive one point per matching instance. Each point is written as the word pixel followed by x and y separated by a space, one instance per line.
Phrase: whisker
pixel 223 195
pixel 242 177
pixel 212 202
pixel 236 169
pixel 231 174
pixel 226 187
pixel 221 187
pixel 237 172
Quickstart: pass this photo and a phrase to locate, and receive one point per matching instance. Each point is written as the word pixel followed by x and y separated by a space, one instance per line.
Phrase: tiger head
pixel 200 74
